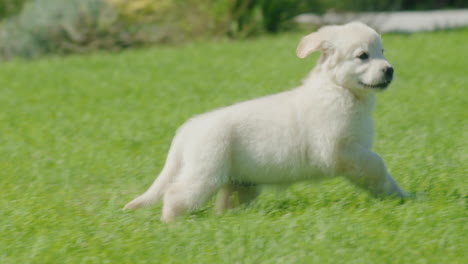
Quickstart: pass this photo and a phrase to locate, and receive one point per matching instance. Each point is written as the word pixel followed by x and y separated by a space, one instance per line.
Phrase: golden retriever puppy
pixel 320 129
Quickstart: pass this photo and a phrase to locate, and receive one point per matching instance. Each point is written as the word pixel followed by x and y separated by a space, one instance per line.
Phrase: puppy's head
pixel 352 55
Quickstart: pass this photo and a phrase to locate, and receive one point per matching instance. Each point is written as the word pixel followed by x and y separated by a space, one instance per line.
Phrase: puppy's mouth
pixel 381 85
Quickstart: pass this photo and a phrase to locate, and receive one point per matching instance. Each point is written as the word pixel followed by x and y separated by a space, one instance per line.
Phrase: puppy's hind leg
pixel 186 195
pixel 235 194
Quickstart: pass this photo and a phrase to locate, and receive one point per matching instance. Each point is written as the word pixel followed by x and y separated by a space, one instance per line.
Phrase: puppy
pixel 318 130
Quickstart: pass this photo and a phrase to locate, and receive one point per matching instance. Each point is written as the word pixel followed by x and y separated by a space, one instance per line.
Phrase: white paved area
pixel 395 21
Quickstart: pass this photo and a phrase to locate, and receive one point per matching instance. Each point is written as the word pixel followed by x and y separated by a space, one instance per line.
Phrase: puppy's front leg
pixel 366 169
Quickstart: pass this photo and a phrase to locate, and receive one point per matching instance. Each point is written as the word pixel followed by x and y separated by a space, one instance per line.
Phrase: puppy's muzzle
pixel 388 73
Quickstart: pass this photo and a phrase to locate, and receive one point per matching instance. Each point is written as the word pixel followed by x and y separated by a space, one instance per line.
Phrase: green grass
pixel 81 136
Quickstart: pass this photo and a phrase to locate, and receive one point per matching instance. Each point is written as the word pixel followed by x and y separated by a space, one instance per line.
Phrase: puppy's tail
pixel 157 189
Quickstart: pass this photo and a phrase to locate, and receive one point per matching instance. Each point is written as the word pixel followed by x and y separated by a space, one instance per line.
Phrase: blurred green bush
pixel 78 26
pixel 10 7
pixel 56 26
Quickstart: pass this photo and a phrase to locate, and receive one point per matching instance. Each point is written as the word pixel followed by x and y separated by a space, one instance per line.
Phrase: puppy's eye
pixel 364 56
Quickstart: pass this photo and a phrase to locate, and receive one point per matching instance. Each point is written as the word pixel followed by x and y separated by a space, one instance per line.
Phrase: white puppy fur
pixel 318 130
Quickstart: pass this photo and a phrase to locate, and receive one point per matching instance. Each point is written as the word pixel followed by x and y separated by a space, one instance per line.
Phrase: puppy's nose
pixel 388 71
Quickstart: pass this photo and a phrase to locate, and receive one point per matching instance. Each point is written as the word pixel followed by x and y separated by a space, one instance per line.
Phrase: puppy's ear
pixel 313 42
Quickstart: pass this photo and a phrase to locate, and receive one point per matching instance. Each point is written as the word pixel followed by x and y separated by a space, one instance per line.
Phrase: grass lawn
pixel 80 136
